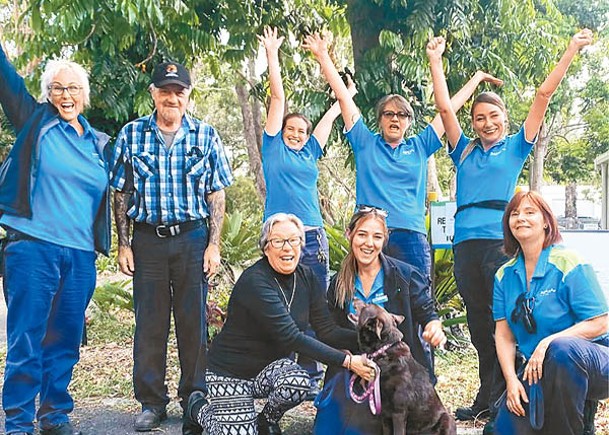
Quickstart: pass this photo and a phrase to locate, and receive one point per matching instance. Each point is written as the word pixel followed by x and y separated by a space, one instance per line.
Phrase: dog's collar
pixel 381 350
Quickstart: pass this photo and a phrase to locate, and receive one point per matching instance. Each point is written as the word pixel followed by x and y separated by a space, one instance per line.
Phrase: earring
pixel 545 227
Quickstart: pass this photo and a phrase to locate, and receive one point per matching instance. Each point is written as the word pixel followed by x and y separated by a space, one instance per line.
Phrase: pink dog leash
pixel 372 391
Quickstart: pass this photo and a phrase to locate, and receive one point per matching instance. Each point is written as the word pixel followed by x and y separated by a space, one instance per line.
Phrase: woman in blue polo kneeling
pixel 548 302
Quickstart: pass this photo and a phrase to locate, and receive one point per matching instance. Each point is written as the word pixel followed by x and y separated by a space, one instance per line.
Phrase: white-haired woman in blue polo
pixel 55 210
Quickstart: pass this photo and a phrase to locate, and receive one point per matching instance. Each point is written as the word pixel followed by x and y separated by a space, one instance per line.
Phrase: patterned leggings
pixel 231 400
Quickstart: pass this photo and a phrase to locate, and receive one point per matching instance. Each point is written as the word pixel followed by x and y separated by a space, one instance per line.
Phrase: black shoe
pixel 489 428
pixel 471 413
pixel 149 419
pixel 266 427
pixel 61 429
pixel 190 428
pixel 190 425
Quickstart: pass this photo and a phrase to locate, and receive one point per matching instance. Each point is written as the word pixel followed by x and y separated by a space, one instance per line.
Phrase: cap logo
pixel 171 71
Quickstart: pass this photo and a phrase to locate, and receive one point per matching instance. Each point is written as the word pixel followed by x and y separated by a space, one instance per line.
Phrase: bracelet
pixel 349 362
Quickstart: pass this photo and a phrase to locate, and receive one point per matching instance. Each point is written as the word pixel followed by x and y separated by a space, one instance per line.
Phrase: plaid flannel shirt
pixel 168 186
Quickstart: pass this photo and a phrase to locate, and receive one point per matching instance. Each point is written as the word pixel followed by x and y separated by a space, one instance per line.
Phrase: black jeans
pixel 169 276
pixel 476 262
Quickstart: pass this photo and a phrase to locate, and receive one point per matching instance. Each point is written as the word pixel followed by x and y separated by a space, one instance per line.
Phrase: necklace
pixel 288 304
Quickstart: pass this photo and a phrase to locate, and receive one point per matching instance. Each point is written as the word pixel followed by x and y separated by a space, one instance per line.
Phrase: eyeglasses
pixel 58 90
pixel 389 114
pixel 365 208
pixel 280 243
pixel 524 312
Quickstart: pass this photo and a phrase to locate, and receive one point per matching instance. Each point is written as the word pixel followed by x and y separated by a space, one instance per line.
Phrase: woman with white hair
pixel 55 210
pixel 269 309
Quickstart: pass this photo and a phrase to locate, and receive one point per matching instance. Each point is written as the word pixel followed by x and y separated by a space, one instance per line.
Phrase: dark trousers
pixel 476 262
pixel 316 255
pixel 574 370
pixel 169 276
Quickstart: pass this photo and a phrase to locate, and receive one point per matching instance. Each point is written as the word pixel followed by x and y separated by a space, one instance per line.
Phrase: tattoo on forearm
pixel 217 204
pixel 123 223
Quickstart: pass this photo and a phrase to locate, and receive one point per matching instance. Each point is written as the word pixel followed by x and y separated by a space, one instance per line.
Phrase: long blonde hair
pixel 345 280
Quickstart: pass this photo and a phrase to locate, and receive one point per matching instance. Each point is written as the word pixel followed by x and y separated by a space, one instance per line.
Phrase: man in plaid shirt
pixel 169 172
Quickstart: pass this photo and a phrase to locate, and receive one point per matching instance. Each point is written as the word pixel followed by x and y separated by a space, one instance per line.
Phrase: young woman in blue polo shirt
pixel 289 162
pixel 487 171
pixel 548 302
pixel 391 170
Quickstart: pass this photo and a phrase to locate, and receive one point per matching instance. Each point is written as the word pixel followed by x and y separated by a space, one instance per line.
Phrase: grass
pixel 103 376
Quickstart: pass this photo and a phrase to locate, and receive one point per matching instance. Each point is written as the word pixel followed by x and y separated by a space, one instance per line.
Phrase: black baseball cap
pixel 170 73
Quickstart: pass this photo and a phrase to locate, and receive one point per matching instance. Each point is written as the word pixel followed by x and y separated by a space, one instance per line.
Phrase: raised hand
pixel 436 47
pixel 486 77
pixel 270 40
pixel 316 44
pixel 581 39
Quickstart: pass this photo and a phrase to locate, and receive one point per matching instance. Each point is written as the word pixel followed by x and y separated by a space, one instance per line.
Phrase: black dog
pixel 410 405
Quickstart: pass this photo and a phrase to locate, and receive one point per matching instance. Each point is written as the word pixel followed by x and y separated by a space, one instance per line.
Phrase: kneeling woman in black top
pixel 270 306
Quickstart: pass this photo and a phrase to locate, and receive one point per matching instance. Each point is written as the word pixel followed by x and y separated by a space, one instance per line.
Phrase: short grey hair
pixel 53 68
pixel 275 219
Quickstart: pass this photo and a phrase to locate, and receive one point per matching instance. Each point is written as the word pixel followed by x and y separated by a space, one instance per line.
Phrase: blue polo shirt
pixel 565 291
pixel 68 188
pixel 393 179
pixel 291 179
pixel 486 175
pixel 377 293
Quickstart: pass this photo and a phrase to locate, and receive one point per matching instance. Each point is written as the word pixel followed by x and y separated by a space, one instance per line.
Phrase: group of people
pixel 168 172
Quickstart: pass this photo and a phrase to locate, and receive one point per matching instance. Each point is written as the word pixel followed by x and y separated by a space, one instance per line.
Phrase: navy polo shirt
pixel 291 179
pixel 565 292
pixel 68 189
pixel 486 175
pixel 393 178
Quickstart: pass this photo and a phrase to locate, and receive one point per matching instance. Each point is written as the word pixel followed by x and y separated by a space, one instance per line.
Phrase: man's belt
pixel 172 230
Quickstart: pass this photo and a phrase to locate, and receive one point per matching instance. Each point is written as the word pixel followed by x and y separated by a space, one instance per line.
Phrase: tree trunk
pixel 571 205
pixel 251 129
pixel 433 185
pixel 365 20
pixel 539 154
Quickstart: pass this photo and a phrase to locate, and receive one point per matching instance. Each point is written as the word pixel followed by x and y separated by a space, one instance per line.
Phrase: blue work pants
pixel 574 370
pixel 47 288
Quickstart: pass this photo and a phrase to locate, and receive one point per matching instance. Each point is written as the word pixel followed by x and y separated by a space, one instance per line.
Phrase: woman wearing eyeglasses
pixel 290 152
pixel 269 309
pixel 55 210
pixel 487 170
pixel 548 303
pixel 391 170
pixel 367 276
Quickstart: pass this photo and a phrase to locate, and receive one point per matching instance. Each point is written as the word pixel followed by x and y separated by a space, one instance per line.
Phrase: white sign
pixel 442 223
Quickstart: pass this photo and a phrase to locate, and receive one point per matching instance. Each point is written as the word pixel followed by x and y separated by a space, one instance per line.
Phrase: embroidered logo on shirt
pixel 546 292
pixel 407 152
pixel 499 151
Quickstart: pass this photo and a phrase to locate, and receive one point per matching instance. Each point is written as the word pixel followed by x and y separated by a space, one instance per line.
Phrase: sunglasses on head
pixel 364 208
pixel 523 312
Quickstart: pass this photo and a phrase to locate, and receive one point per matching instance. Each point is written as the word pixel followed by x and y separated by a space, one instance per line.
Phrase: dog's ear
pixel 378 327
pixel 398 318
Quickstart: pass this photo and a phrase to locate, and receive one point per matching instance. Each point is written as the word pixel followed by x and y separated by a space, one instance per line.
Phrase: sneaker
pixel 61 429
pixel 471 413
pixel 149 419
